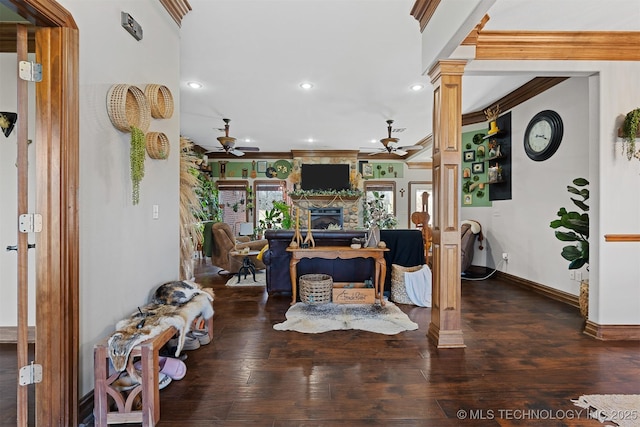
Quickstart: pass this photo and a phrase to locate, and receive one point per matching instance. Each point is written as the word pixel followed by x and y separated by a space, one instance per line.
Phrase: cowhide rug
pixel 261 280
pixel 314 319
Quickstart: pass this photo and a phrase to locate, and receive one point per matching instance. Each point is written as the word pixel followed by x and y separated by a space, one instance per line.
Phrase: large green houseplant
pixel 574 226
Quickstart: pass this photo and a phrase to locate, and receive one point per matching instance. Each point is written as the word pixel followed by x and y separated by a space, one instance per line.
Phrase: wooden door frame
pixel 57 154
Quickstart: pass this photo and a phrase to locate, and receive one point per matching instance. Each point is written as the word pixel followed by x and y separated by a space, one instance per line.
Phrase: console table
pixel 334 252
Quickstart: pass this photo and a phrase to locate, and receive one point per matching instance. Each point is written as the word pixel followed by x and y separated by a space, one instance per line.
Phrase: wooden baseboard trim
pixel 612 332
pixel 600 332
pixel 567 298
pixel 9 334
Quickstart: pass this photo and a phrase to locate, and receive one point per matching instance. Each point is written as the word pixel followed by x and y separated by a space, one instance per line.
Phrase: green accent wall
pixel 475 151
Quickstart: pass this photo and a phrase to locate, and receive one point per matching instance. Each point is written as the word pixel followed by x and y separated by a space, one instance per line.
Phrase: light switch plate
pixel 131 25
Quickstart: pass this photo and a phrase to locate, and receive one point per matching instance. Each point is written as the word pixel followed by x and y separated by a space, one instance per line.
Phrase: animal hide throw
pixel 151 320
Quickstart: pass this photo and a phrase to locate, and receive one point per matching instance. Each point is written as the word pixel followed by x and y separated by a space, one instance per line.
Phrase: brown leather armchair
pixel 224 242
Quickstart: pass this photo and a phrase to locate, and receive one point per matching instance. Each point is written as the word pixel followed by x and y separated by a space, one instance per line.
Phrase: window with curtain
pixel 232 196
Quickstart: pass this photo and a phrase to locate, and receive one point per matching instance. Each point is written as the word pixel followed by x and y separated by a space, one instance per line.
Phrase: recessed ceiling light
pixel 194 85
pixel 373 141
pixel 310 140
pixel 247 140
pixel 306 85
pixel 416 87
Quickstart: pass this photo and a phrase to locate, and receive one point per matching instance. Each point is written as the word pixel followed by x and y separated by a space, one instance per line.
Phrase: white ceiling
pixel 361 55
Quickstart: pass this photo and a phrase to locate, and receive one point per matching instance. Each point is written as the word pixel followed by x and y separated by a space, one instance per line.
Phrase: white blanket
pixel 418 285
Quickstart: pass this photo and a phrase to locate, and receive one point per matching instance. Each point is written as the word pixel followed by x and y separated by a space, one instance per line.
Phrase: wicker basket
pixel 316 288
pixel 160 101
pixel 127 106
pixel 398 287
pixel 157 145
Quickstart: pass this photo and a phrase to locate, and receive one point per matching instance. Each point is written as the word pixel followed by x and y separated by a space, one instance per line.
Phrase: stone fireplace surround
pixel 350 209
pixel 351 206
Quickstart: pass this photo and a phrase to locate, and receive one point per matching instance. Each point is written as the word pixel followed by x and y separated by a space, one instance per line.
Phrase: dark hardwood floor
pixel 526 358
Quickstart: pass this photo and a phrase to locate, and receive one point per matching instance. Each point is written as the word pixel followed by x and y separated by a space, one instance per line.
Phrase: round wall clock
pixel 543 135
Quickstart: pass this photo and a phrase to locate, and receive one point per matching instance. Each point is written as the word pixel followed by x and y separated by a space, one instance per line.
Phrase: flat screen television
pixel 322 177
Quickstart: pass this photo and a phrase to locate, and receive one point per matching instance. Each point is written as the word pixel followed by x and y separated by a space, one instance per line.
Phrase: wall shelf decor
pixel 499 160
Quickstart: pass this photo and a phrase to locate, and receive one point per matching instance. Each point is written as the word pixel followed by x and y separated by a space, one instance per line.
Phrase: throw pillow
pixel 398 289
pixel 262 251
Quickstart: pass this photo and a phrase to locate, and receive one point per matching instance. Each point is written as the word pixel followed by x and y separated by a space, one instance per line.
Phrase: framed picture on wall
pixel 262 166
pixel 477 167
pixel 469 156
pixel 367 170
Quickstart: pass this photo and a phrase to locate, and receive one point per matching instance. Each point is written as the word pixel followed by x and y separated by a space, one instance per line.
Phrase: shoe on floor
pixel 190 343
pixel 125 382
pixel 163 380
pixel 202 335
pixel 171 366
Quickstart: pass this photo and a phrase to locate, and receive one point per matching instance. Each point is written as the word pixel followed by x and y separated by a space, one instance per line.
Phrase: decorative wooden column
pixel 445 327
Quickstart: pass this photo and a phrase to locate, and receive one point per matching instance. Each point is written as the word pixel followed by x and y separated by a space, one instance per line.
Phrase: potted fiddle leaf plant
pixel 573 226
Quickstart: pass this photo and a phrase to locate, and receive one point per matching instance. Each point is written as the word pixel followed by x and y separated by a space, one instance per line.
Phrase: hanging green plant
pixel 630 133
pixel 136 156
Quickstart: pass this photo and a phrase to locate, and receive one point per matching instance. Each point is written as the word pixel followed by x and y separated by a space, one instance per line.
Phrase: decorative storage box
pixel 315 288
pixel 353 293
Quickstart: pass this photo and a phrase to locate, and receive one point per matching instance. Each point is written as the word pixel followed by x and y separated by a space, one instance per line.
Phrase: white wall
pixel 9 193
pixel 124 253
pixel 617 272
pixel 520 226
pixel 593 109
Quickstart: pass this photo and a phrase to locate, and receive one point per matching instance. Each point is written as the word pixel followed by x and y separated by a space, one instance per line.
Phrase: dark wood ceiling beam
pixel 221 155
pixel 559 45
pixel 525 92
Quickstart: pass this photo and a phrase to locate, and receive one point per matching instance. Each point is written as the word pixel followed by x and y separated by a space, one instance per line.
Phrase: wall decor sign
pixel 367 170
pixel 477 167
pixel 262 166
pixel 469 156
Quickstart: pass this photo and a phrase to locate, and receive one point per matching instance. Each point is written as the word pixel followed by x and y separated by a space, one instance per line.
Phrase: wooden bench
pixel 148 387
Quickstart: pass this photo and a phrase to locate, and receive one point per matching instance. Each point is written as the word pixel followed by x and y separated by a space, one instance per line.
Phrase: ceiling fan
pixel 229 143
pixel 390 145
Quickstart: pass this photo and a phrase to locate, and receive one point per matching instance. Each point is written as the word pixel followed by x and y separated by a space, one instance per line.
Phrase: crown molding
pixel 324 153
pixel 559 45
pixel 420 165
pixel 177 9
pixel 472 37
pixel 423 10
pixel 525 92
pixel 250 155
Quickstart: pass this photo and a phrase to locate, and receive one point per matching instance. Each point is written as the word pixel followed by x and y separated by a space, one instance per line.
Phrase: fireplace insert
pixel 322 218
